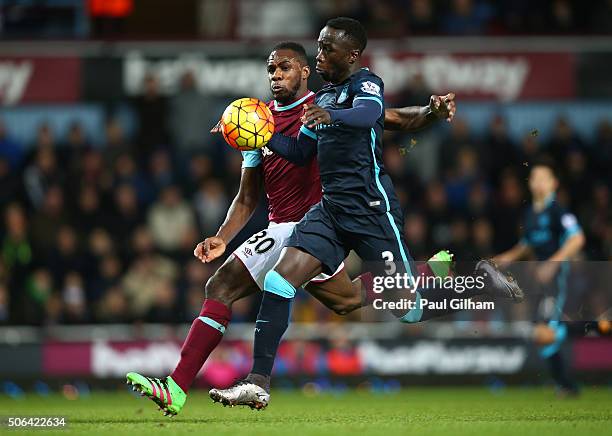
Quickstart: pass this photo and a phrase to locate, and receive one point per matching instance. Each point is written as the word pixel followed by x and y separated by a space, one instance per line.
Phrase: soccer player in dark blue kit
pixel 552 234
pixel 359 210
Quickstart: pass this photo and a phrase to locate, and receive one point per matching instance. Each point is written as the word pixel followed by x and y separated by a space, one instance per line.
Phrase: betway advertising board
pixel 503 77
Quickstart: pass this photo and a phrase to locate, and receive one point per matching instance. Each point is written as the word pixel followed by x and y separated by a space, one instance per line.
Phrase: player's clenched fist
pixel 315 115
pixel 443 106
pixel 209 249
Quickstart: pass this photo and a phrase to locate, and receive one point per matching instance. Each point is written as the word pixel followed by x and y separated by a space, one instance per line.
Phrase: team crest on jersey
pixel 371 88
pixel 343 95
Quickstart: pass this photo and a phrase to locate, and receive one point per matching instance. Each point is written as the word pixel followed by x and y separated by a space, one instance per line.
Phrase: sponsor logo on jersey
pixel 265 151
pixel 247 252
pixel 371 88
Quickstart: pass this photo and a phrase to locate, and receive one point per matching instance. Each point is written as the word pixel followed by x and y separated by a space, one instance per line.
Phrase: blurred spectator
pixel 508 211
pixel 90 211
pixel 147 272
pixel 562 17
pixel 562 141
pixel 438 214
pixel 415 229
pixel 152 114
pixel 115 143
pixel 191 117
pixel 422 17
pixel 161 172
pixel 37 304
pixel 127 215
pixel 114 307
pixel 210 204
pixel 505 153
pixel 578 179
pixel 65 256
pixel 47 221
pixel 10 182
pixel 128 173
pixel 164 307
pixel 10 150
pixel 107 276
pixel 601 153
pixel 44 137
pixel 482 239
pixel 601 17
pixel 416 93
pixel 74 302
pixel 41 174
pixel 461 179
pixel 76 144
pixel 17 257
pixel 171 222
pixel 385 19
pixel 4 304
pixel 467 17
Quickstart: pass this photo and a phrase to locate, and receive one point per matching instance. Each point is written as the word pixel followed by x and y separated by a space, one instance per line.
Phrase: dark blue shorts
pixel 329 235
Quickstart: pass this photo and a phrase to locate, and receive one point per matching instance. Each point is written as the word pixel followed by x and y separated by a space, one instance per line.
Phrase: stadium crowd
pixel 105 232
pixel 397 18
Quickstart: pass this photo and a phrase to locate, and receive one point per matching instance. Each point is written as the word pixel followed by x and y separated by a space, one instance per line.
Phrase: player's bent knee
pixel 277 284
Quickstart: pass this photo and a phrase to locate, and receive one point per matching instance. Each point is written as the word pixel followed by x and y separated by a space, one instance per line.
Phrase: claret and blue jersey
pixel 350 158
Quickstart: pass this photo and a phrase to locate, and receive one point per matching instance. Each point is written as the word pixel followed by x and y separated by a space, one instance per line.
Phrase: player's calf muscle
pixel 230 283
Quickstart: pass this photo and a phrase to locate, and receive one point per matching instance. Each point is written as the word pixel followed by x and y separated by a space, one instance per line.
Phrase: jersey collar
pixel 280 108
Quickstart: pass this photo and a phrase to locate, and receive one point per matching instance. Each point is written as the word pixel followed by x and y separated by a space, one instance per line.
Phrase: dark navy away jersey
pixel 546 231
pixel 353 177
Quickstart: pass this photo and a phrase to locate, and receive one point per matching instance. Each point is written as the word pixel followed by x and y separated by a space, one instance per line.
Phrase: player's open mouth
pixel 277 88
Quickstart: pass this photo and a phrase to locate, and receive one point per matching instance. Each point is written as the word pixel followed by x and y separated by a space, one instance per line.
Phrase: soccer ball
pixel 247 124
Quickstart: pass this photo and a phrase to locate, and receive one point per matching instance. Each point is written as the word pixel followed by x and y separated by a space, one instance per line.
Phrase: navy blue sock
pixel 272 321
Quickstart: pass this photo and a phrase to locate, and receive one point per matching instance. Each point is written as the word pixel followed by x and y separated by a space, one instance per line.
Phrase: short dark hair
pixel 546 162
pixel 353 29
pixel 294 46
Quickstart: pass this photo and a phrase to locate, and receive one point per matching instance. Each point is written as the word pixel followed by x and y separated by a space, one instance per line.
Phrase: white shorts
pixel 261 252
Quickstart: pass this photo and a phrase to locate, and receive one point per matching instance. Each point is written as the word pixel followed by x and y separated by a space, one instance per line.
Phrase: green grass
pixel 419 411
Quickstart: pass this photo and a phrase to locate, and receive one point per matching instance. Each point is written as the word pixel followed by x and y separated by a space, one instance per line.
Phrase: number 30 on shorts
pixel 262 244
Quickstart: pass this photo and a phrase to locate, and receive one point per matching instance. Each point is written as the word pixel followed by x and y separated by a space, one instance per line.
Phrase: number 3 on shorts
pixel 389 264
pixel 261 245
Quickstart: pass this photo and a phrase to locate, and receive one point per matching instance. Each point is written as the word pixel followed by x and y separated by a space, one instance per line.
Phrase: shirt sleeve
pixel 364 113
pixel 369 88
pixel 298 151
pixel 251 158
pixel 570 225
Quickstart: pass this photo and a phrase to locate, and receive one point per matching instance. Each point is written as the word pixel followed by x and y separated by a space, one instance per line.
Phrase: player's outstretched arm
pixel 298 151
pixel 519 251
pixel 239 213
pixel 413 118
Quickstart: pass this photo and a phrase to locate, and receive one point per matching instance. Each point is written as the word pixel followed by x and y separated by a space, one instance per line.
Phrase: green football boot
pixel 441 263
pixel 163 391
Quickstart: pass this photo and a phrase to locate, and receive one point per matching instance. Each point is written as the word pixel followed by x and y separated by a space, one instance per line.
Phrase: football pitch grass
pixel 419 411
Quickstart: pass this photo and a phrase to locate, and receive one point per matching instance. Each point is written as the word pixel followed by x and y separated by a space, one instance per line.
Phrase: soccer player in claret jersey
pixel 291 189
pixel 359 210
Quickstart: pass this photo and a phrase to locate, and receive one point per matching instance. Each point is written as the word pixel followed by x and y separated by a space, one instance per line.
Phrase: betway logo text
pixel 438 358
pixel 502 77
pixel 155 358
pixel 217 77
pixel 14 78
